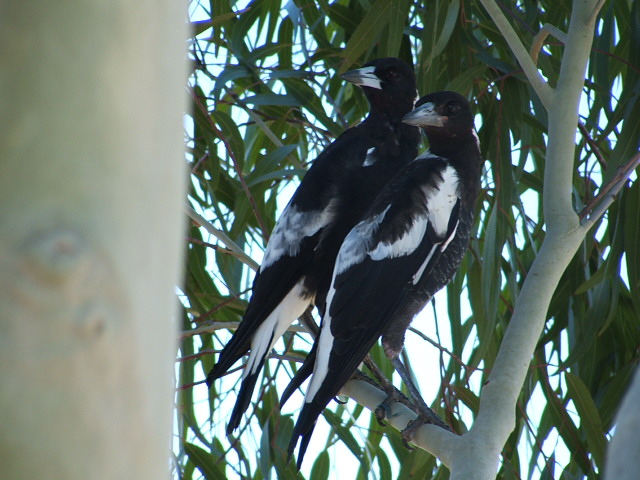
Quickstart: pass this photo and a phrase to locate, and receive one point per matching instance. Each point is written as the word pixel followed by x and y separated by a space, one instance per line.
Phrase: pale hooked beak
pixel 425 116
pixel 364 77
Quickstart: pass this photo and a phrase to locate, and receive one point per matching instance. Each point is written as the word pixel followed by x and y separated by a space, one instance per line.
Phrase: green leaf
pixel 398 10
pixel 205 462
pixel 590 421
pixel 230 135
pixel 447 29
pixel 320 469
pixel 366 34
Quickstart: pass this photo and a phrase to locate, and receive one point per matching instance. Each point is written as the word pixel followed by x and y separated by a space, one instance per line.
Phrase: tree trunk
pixel 91 187
pixel 623 457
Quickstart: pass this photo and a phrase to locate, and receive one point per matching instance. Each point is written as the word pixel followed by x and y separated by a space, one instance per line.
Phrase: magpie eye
pixel 452 108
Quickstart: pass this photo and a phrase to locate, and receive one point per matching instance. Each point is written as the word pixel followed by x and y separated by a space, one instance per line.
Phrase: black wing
pixel 280 293
pixel 380 264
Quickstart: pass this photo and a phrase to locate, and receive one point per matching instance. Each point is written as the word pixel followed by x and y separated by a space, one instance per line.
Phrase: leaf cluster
pixel 266 97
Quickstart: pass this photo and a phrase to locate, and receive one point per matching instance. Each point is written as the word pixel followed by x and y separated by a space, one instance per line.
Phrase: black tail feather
pixel 305 370
pixel 303 430
pixel 243 400
pixel 304 443
pixel 245 393
pixel 237 347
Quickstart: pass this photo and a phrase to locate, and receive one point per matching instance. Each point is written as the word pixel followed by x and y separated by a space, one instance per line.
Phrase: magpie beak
pixel 425 115
pixel 364 77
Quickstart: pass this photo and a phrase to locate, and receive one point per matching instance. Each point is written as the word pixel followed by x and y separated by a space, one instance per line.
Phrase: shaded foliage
pixel 267 97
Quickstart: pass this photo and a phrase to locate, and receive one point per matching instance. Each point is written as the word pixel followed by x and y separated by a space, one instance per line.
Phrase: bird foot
pixel 409 432
pixel 394 395
pixel 426 416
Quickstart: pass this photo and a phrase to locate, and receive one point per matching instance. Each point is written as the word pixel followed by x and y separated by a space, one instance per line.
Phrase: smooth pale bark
pixel 476 453
pixel 623 455
pixel 91 188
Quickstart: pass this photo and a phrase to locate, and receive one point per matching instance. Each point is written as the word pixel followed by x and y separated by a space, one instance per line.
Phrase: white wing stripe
pixel 291 228
pixel 356 244
pixel 445 244
pixel 287 311
pixel 325 345
pixel 440 202
pixel 418 274
pixel 405 245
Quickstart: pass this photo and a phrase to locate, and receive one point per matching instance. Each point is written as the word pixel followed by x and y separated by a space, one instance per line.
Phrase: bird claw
pixel 381 413
pixel 384 409
pixel 409 431
pixel 428 417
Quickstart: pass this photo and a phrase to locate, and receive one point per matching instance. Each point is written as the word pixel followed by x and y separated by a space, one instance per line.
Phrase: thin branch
pixel 217 248
pixel 430 438
pixel 542 88
pixel 445 350
pixel 596 208
pixel 265 128
pixel 236 166
pixel 223 237
pixel 272 355
pixel 596 10
pixel 546 30
pixel 592 143
pixel 215 326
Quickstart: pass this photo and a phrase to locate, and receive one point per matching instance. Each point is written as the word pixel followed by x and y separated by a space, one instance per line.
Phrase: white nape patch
pixel 356 244
pixel 288 310
pixel 291 228
pixel 418 274
pixel 440 202
pixel 370 159
pixel 325 345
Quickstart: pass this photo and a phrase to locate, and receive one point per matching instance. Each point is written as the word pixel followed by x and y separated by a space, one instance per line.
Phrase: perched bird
pixel 407 247
pixel 340 185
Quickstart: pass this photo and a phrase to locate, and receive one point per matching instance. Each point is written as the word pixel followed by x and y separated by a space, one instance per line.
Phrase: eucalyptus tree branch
pixel 623 454
pixel 431 438
pixel 596 10
pixel 596 208
pixel 546 30
pixel 477 452
pixel 223 237
pixel 542 88
pixel 559 212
